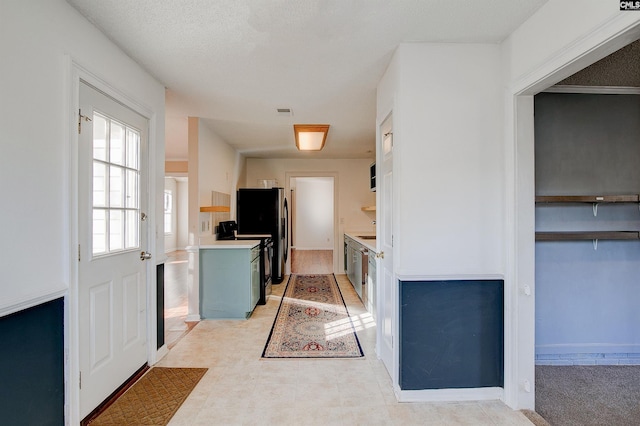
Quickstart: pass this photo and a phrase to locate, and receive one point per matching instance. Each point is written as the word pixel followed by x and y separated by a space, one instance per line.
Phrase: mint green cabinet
pixel 229 282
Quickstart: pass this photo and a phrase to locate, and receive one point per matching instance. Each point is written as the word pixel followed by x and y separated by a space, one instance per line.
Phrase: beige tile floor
pixel 240 388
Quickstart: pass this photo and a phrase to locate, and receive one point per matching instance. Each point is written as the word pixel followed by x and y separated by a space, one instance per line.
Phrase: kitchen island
pixel 229 278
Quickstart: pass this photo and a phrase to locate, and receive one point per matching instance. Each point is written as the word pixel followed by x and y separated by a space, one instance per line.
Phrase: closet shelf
pixel 215 209
pixel 587 235
pixel 587 198
pixel 368 209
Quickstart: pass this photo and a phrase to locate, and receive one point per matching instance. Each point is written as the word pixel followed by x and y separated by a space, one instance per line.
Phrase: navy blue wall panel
pixel 160 305
pixel 32 366
pixel 451 334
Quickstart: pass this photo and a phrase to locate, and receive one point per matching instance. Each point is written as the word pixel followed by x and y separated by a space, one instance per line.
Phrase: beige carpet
pixel 153 399
pixel 589 395
pixel 312 321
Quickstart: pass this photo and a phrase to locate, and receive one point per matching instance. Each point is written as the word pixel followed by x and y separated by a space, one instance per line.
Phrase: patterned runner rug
pixel 312 322
pixel 153 399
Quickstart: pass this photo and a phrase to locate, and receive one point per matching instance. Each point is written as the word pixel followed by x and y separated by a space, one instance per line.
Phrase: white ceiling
pixel 234 62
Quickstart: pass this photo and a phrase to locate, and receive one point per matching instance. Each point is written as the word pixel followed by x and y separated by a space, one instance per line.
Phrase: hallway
pixel 241 388
pixel 311 261
pixel 175 298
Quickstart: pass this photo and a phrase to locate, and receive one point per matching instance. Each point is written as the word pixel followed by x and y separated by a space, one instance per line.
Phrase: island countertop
pixel 212 243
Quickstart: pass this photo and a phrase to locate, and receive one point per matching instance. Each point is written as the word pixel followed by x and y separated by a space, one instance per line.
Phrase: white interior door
pixel 112 285
pixel 387 290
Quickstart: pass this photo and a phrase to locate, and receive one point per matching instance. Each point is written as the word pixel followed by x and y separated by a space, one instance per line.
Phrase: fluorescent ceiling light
pixel 310 137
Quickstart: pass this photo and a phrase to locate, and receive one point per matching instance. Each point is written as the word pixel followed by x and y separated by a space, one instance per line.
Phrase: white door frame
pixel 394 362
pixel 76 73
pixel 519 376
pixel 336 230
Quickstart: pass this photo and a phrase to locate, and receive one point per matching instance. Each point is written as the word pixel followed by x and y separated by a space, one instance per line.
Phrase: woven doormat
pixel 312 322
pixel 153 399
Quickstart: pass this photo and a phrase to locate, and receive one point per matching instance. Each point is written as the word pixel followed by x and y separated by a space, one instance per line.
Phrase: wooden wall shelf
pixel 368 209
pixel 587 235
pixel 215 209
pixel 587 198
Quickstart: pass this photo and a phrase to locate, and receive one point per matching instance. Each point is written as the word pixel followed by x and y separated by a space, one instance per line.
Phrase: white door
pixel 112 201
pixel 387 288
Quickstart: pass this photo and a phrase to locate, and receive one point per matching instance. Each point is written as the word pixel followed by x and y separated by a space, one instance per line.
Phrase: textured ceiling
pixel 233 62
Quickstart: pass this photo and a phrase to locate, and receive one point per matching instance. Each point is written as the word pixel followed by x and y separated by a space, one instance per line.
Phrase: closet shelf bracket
pixel 595 244
pixel 595 209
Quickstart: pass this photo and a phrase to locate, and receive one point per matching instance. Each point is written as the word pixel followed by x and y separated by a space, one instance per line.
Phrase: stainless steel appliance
pixel 353 264
pixel 266 260
pixel 265 211
pixel 364 257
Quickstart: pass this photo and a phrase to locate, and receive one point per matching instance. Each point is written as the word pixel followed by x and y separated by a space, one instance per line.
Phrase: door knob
pixel 145 255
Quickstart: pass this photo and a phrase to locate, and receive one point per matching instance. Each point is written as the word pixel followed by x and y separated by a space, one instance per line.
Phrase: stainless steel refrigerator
pixel 265 211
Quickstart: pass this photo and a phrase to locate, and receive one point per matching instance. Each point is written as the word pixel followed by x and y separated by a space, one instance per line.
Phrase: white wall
pixel 38 41
pixel 312 213
pixel 216 171
pixel 352 185
pixel 217 161
pixel 448 163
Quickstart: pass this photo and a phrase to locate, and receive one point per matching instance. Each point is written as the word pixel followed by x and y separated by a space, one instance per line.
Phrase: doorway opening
pixel 176 271
pixel 585 279
pixel 312 224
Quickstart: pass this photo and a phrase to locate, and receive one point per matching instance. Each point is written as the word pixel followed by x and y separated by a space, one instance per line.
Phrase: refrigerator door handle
pixel 286 230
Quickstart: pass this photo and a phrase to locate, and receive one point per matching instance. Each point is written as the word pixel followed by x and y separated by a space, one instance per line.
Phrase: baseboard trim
pixel 161 352
pixel 451 395
pixel 606 358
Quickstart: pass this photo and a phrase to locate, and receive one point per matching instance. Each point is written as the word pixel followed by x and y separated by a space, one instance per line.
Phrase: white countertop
pixel 256 236
pixel 368 243
pixel 212 243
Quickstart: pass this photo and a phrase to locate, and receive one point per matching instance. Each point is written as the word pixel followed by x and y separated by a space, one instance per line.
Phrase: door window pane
pixel 99 137
pixel 99 184
pixel 116 186
pixel 131 231
pixel 133 148
pixel 116 143
pixel 99 231
pixel 132 189
pixel 116 230
pixel 116 193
